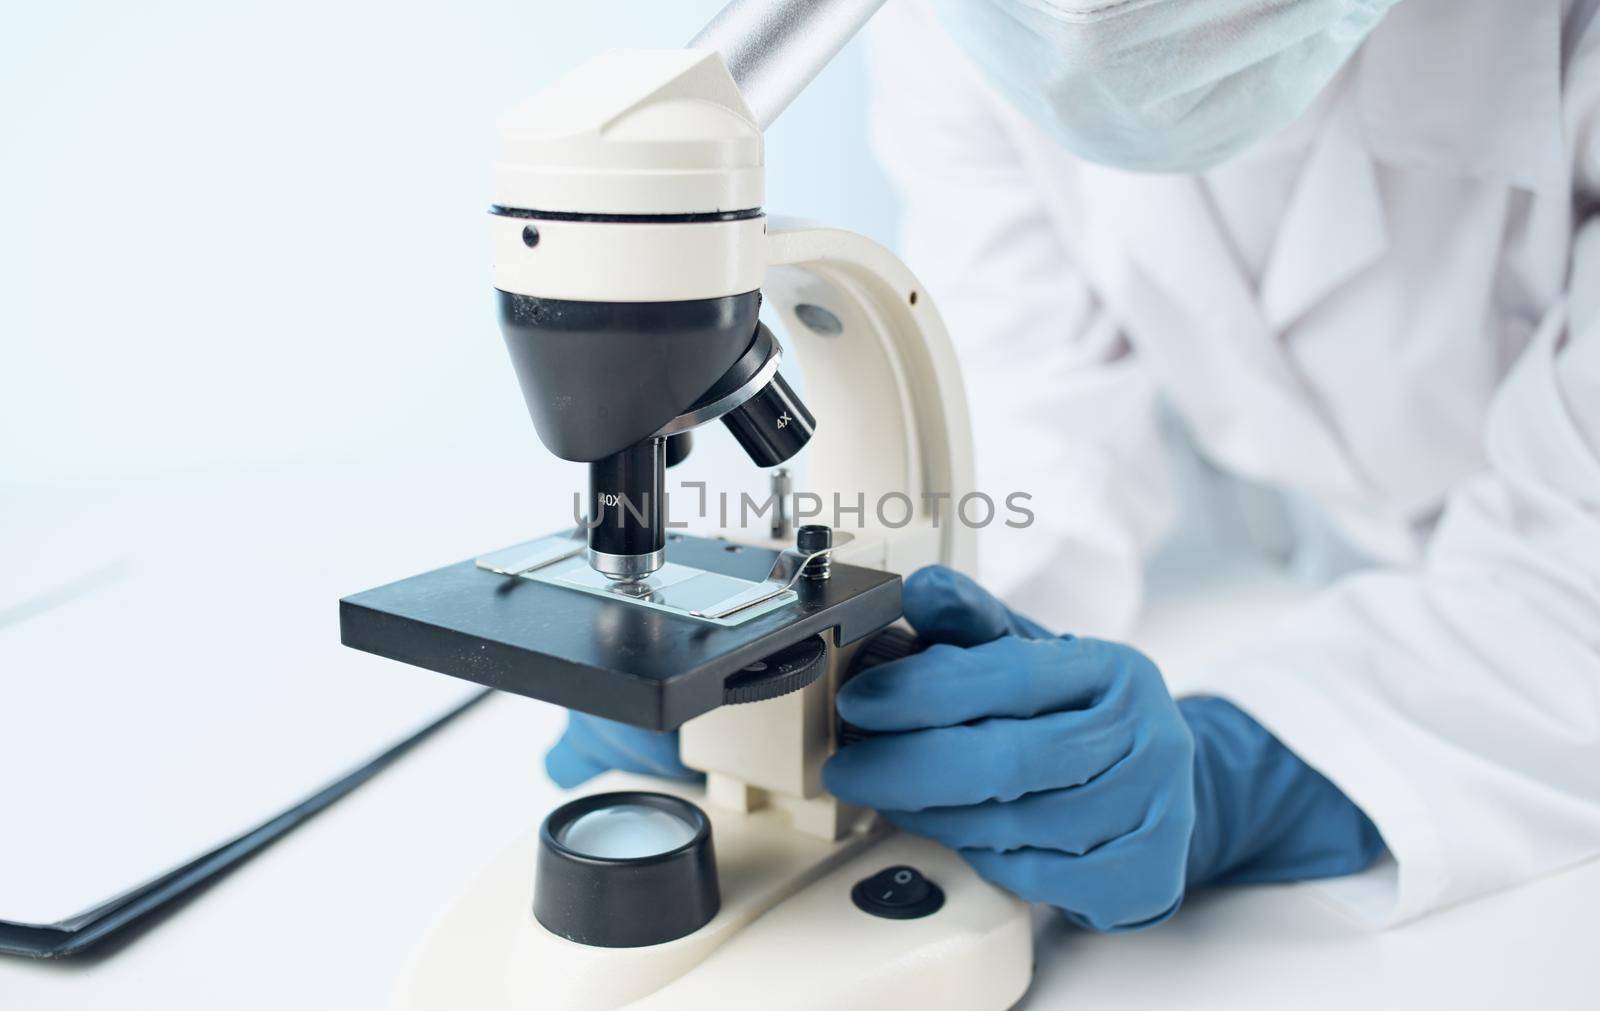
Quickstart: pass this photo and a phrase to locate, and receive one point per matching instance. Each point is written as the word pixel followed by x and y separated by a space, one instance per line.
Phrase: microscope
pixel 632 265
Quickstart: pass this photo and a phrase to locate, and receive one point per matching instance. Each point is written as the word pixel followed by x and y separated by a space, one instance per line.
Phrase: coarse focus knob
pixel 625 870
pixel 885 646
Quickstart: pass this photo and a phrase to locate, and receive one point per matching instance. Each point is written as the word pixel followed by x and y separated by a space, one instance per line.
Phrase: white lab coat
pixel 1418 353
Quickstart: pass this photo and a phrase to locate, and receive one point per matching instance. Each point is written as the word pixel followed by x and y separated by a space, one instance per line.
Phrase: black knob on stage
pixel 773 425
pixel 625 870
pixel 810 539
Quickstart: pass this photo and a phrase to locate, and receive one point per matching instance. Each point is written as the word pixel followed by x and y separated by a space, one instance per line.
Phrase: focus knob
pixel 891 643
pixel 887 645
pixel 788 670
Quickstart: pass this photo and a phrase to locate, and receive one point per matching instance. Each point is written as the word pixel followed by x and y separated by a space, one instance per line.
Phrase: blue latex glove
pixel 1061 768
pixel 592 745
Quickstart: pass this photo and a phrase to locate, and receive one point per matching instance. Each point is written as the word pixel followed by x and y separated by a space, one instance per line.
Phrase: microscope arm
pixel 897 443
pixel 891 386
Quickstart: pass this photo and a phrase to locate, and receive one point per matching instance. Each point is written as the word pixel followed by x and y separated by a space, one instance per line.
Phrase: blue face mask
pixel 1161 85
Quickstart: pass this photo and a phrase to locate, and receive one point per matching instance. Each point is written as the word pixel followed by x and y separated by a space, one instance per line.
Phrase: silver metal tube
pixel 782 486
pixel 774 48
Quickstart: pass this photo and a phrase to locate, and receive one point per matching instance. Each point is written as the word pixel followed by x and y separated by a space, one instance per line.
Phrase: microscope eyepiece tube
pixel 773 48
pixel 627 527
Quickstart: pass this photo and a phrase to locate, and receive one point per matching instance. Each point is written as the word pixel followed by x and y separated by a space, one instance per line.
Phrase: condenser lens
pixel 626 832
pixel 625 869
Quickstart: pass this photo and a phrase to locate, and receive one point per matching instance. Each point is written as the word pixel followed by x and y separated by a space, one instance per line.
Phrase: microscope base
pixel 788 934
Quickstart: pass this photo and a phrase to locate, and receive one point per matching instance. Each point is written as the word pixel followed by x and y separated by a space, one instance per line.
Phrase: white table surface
pixel 325 918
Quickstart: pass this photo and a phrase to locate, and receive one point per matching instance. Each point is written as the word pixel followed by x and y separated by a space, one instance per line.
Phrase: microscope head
pixel 629 251
pixel 630 254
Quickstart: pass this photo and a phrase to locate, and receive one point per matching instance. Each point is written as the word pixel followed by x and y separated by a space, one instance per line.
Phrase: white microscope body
pixel 671 134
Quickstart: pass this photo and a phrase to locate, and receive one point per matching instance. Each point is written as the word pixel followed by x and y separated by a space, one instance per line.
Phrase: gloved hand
pixel 1059 767
pixel 1062 769
pixel 592 745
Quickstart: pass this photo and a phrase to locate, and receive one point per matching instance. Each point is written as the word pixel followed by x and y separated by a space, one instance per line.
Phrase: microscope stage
pixel 605 655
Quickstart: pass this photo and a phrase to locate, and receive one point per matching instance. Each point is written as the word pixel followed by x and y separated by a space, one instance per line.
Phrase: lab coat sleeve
pixel 1062 410
pixel 1458 703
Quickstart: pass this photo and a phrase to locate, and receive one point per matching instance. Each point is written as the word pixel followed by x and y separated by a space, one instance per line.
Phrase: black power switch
pixel 897 893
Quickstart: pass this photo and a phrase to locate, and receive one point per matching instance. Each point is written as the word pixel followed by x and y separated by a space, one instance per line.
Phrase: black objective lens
pixel 773 425
pixel 626 532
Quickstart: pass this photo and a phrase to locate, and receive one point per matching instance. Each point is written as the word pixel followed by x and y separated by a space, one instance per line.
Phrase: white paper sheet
pixel 170 666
